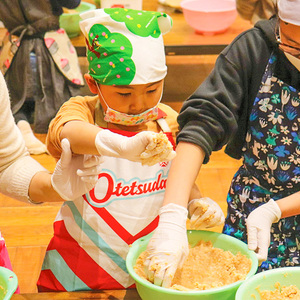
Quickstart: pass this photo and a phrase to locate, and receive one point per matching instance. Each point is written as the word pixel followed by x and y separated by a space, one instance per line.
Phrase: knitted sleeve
pixel 16 166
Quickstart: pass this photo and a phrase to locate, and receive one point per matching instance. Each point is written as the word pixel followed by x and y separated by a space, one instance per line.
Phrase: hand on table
pixel 259 224
pixel 168 247
pixel 75 175
pixel 205 213
pixel 145 147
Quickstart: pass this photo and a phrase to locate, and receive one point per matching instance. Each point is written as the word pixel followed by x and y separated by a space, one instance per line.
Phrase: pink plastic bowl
pixel 209 17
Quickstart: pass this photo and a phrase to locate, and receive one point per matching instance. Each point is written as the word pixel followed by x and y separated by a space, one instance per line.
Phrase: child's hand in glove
pixel 145 147
pixel 259 224
pixel 75 175
pixel 205 213
pixel 168 247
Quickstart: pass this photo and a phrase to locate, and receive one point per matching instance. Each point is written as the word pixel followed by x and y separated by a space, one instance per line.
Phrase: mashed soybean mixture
pixel 205 267
pixel 281 293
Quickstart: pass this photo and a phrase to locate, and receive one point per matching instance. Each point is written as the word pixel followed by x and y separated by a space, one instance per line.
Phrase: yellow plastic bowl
pixel 149 291
pixel 266 281
pixel 8 283
pixel 70 21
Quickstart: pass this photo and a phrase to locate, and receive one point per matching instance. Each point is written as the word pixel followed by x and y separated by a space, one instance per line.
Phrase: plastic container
pixel 8 283
pixel 70 21
pixel 149 291
pixel 209 17
pixel 132 4
pixel 266 280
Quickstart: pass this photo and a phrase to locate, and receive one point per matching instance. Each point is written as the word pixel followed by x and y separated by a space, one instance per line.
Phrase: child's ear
pixel 91 83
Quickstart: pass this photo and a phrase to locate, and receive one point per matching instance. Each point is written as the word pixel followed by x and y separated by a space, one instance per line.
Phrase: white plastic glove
pixel 205 213
pixel 75 175
pixel 168 247
pixel 144 147
pixel 259 224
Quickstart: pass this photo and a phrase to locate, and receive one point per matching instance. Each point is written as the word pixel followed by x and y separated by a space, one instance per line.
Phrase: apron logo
pixel 112 190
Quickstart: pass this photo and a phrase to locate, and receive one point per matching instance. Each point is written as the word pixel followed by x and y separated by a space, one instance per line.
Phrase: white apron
pixel 92 234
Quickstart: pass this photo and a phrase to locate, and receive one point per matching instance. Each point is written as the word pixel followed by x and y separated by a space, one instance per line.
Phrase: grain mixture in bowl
pixel 281 293
pixel 205 267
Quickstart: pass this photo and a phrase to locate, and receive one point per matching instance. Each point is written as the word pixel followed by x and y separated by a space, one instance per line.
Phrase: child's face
pixel 128 99
pixel 131 99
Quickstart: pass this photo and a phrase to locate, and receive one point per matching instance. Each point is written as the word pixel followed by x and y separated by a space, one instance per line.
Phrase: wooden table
pixel 182 39
pixel 95 295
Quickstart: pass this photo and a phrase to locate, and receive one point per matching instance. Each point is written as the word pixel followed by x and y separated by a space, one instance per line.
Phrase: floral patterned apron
pixel 93 233
pixel 271 167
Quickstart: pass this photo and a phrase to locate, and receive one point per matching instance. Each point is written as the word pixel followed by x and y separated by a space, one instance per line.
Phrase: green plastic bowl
pixel 149 291
pixel 70 21
pixel 8 283
pixel 266 281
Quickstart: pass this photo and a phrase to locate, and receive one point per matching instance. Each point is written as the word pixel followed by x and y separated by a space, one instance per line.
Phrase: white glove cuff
pixel 57 190
pixel 106 143
pixel 173 213
pixel 275 209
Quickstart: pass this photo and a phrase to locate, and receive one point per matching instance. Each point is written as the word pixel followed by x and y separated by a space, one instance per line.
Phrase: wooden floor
pixel 27 229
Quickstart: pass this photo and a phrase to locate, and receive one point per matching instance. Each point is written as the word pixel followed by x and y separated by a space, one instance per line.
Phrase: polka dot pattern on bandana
pixel 142 23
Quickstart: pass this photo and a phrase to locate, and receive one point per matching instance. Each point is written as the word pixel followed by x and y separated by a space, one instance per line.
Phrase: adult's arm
pixel 17 169
pixel 23 178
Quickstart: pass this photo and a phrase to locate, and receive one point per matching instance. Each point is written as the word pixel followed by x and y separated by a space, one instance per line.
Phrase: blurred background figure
pixel 255 10
pixel 39 63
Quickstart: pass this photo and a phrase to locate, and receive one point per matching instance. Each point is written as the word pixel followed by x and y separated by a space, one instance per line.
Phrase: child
pixel 127 67
pixel 250 102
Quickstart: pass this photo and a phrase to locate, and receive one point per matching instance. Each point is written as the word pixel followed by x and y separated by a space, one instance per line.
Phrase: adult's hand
pixel 75 175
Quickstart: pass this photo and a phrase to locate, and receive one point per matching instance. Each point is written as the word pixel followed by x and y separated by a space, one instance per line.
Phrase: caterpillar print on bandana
pixel 125 46
pixel 109 57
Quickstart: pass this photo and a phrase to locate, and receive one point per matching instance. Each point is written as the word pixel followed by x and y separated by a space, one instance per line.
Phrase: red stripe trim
pixel 48 283
pixel 118 228
pixel 78 261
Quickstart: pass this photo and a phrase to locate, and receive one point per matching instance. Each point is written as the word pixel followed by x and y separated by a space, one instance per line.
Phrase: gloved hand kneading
pixel 259 224
pixel 205 213
pixel 75 175
pixel 145 147
pixel 168 247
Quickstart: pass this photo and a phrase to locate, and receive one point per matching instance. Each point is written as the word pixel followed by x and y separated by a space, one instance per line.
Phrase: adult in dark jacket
pixel 39 63
pixel 249 102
